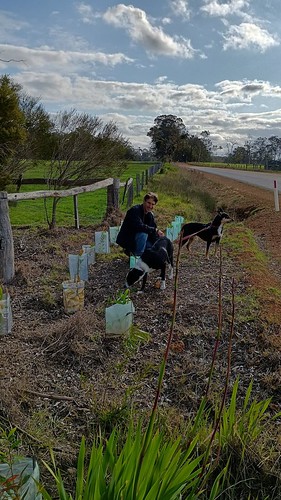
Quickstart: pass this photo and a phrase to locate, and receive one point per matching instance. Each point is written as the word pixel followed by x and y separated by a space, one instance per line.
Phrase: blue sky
pixel 214 63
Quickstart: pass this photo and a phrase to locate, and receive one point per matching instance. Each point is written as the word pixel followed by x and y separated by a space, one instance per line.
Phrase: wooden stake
pixel 7 267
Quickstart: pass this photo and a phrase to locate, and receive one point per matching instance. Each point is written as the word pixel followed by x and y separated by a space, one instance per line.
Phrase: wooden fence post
pixel 130 198
pixel 7 266
pixel 113 196
pixel 76 213
pixel 138 184
pixel 116 187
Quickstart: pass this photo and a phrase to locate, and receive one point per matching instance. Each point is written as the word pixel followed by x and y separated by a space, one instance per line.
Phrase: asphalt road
pixel 263 180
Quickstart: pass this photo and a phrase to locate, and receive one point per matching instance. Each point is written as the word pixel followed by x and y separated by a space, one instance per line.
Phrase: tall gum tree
pixel 12 126
pixel 166 136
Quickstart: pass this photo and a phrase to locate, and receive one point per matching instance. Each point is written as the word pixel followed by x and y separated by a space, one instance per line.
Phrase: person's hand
pixel 160 233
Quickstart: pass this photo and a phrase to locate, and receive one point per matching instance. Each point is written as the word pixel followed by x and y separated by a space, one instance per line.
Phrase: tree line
pixel 172 141
pixel 79 146
pixel 264 151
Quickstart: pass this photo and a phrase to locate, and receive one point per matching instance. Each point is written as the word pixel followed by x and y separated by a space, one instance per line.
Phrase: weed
pixel 247 307
pixel 275 291
pixel 135 338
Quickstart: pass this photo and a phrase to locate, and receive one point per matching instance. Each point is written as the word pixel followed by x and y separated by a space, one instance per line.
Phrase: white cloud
pixel 166 20
pixel 247 89
pixel 161 79
pixel 57 62
pixel 61 60
pixel 88 16
pixel 135 22
pixel 133 106
pixel 247 36
pixel 180 8
pixel 216 9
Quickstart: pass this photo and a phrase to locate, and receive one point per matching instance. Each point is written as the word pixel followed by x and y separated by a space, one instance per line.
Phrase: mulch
pixel 61 376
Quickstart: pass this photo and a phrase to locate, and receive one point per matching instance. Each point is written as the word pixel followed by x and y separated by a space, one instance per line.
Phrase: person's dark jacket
pixel 136 221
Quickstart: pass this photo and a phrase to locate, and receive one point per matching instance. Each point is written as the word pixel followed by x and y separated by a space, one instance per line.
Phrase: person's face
pixel 148 205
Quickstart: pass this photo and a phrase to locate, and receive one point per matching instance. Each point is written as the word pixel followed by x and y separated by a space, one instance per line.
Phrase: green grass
pixel 237 166
pixel 40 169
pixel 91 206
pixel 241 241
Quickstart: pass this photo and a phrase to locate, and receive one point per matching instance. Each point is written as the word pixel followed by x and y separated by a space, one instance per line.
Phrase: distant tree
pixel 197 149
pixel 238 156
pixel 260 151
pixel 146 154
pixel 230 145
pixel 205 138
pixel 249 151
pixel 131 153
pixel 274 148
pixel 171 141
pixel 215 151
pixel 12 126
pixel 39 143
pixel 166 136
pixel 39 128
pixel 84 148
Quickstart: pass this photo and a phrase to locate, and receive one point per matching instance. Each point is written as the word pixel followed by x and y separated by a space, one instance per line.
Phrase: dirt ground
pixel 60 375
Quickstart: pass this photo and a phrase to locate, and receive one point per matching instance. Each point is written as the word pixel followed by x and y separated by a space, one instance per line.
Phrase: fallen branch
pixel 57 397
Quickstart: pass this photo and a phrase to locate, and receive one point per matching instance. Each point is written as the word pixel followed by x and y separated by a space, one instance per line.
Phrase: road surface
pixel 263 180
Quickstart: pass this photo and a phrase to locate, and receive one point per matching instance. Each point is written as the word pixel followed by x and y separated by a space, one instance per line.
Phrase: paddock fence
pixel 114 199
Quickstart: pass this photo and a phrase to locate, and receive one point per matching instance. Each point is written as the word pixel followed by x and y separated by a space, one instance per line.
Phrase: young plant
pixel 166 471
pixel 122 297
pixel 11 482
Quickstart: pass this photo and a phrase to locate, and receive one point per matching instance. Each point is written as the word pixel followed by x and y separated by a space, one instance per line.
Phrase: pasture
pixel 91 205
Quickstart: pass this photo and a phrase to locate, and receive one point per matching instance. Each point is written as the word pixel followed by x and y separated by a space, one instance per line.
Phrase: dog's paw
pixel 170 273
pixel 163 285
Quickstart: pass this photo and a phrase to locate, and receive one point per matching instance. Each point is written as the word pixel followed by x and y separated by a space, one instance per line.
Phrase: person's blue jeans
pixel 141 243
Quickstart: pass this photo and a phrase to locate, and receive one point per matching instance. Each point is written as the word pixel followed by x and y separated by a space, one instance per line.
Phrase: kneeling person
pixel 138 231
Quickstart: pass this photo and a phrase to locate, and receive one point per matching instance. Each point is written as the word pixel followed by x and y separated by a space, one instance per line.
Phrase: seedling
pixel 122 297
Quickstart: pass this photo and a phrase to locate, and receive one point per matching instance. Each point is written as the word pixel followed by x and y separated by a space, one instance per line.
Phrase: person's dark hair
pixel 151 195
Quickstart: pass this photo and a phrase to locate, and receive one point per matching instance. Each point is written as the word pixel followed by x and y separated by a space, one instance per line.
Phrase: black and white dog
pixel 159 256
pixel 211 232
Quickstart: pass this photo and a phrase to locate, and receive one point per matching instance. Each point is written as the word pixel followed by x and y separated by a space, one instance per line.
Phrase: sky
pixel 213 63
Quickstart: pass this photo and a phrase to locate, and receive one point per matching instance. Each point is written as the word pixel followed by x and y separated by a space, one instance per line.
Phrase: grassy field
pixel 237 166
pixel 91 206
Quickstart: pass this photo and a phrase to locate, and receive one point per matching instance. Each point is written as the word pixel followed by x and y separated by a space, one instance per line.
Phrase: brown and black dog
pixel 211 232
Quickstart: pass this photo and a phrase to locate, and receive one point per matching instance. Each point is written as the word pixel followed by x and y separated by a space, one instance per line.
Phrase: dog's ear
pixel 220 210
